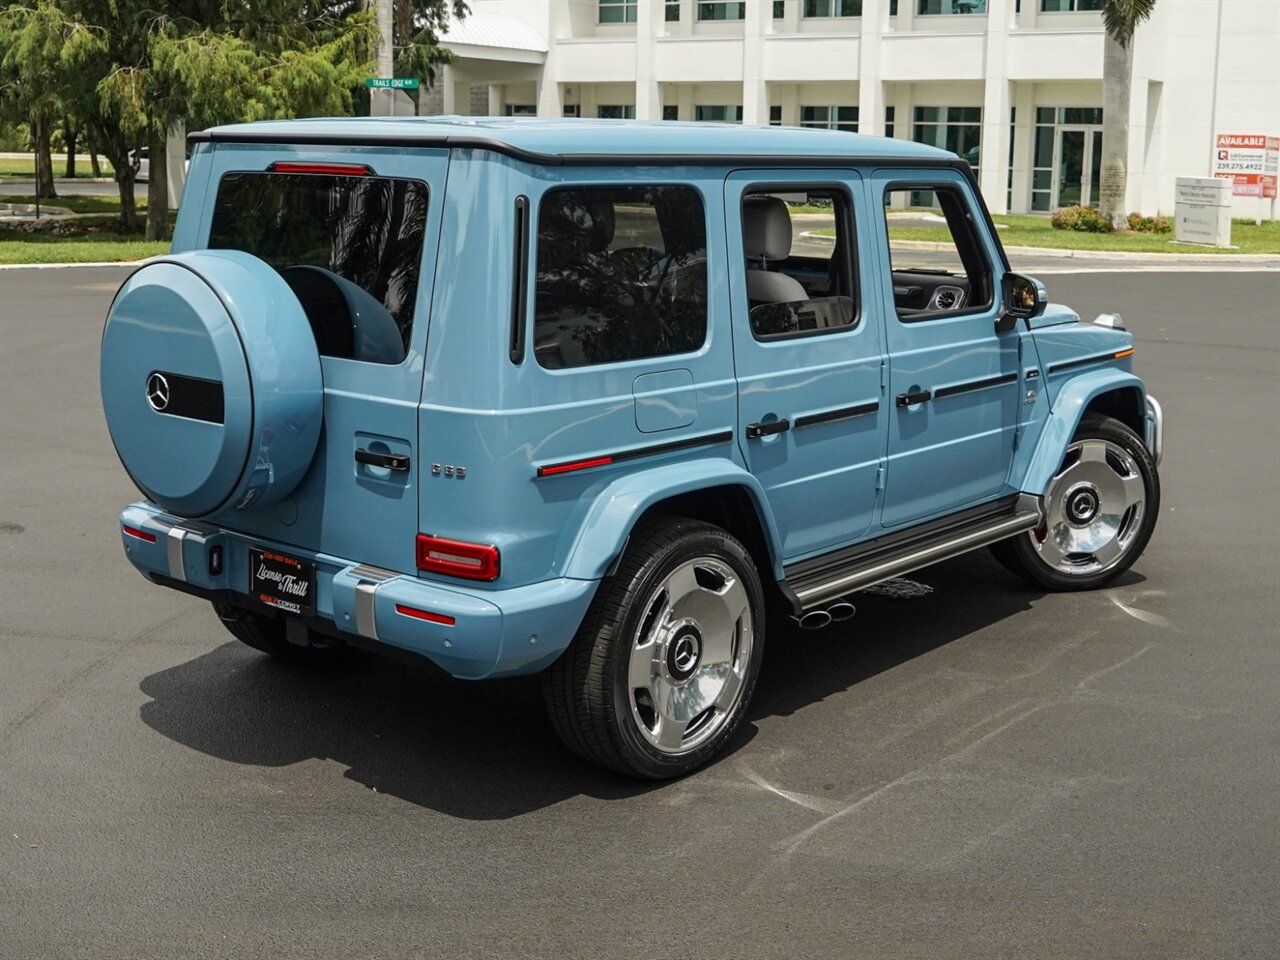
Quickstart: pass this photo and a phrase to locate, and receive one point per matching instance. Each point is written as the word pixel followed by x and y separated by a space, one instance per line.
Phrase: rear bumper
pixel 493 633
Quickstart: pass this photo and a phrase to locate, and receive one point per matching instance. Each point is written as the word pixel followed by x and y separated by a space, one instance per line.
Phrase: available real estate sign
pixel 1249 161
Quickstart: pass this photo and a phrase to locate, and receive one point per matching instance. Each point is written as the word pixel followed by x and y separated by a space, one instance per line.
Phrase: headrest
pixel 766 228
pixel 589 222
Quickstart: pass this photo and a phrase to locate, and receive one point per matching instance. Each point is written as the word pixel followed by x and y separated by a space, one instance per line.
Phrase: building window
pixel 832 8
pixel 572 110
pixel 893 8
pixel 1065 6
pixel 775 116
pixel 671 11
pixel 671 112
pixel 930 7
pixel 722 11
pixel 616 111
pixel 520 110
pixel 830 118
pixel 606 296
pixel 888 121
pixel 617 11
pixel 779 9
pixel 718 114
pixel 958 129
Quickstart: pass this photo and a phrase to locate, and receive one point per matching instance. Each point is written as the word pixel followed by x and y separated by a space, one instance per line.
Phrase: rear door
pixel 953 381
pixel 354 232
pixel 810 410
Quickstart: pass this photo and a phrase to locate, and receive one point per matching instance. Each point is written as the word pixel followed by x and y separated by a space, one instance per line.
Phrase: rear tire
pixel 660 673
pixel 267 634
pixel 1100 511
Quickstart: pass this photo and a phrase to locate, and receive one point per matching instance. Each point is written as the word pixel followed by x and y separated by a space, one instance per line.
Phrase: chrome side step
pixel 820 580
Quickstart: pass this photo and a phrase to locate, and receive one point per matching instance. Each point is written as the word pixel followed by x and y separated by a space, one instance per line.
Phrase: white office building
pixel 1015 86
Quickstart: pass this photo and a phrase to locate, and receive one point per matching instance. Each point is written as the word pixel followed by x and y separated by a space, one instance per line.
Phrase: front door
pixel 808 351
pixel 953 381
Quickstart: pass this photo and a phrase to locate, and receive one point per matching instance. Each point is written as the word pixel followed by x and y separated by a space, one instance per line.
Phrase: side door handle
pixel 757 430
pixel 910 399
pixel 391 461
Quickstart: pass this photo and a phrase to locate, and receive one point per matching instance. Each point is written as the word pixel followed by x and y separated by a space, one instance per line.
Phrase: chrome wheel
pixel 690 656
pixel 1093 510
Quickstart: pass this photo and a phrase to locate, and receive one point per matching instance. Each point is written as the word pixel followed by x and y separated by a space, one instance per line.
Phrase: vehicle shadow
pixel 484 751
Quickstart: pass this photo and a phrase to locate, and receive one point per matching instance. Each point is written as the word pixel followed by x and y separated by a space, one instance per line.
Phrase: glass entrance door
pixel 1077 167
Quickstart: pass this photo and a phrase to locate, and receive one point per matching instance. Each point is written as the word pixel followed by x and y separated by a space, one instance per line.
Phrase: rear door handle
pixel 910 399
pixel 757 430
pixel 391 461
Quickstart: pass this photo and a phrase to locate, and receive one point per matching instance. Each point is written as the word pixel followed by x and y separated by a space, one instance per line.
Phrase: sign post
pixel 1249 161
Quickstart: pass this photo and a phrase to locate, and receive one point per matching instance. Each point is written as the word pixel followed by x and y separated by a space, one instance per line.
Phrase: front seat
pixel 766 235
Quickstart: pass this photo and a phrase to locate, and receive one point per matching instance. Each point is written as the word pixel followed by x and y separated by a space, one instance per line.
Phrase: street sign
pixel 393 83
pixel 1248 161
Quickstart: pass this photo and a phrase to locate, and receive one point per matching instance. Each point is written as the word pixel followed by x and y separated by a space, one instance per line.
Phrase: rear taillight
pixel 472 561
pixel 138 534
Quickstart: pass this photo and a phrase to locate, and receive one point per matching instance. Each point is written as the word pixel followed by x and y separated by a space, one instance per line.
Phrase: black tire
pixel 1075 509
pixel 266 633
pixel 588 691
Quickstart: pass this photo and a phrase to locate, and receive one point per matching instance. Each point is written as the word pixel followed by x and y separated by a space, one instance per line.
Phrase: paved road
pixel 986 771
pixel 70 188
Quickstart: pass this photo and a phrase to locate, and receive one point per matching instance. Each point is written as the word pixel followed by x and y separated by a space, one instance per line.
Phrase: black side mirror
pixel 1024 299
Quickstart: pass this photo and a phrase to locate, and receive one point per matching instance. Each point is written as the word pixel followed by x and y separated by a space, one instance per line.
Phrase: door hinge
pixel 880 477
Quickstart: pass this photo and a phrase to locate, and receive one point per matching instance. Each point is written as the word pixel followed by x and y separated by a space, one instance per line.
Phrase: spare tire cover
pixel 211 383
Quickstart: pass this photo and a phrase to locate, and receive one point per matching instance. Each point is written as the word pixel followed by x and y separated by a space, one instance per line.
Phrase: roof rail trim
pixel 578 159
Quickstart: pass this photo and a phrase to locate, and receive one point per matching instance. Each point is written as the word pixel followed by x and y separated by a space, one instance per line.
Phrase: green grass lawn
pixel 1028 231
pixel 108 206
pixel 95 239
pixel 18 168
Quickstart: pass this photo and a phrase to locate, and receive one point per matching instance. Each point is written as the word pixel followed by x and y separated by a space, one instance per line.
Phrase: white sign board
pixel 1248 161
pixel 1202 211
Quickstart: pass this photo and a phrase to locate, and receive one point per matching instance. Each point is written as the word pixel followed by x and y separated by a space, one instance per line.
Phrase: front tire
pixel 1100 511
pixel 661 670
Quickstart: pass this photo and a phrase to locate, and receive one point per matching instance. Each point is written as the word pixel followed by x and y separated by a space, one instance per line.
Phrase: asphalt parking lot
pixel 982 771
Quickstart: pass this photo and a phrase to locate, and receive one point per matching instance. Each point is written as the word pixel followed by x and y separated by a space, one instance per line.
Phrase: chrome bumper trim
pixel 173 546
pixel 370 579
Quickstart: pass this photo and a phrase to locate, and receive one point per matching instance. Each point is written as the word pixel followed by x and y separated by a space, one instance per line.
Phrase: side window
pixel 950 274
pixel 349 247
pixel 622 274
pixel 799 260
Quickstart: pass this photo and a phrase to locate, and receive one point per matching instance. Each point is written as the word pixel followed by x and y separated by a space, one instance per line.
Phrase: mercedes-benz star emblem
pixel 157 392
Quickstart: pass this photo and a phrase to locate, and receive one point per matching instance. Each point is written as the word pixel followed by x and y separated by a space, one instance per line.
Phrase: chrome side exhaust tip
pixel 842 610
pixel 835 613
pixel 814 620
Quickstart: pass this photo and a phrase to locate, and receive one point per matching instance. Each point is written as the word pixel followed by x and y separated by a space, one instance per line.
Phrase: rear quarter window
pixel 350 248
pixel 621 274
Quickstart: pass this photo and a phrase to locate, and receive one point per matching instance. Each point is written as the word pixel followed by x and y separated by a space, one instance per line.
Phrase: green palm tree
pixel 1121 19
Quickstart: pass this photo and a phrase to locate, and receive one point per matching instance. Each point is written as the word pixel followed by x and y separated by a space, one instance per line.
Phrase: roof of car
pixel 575 140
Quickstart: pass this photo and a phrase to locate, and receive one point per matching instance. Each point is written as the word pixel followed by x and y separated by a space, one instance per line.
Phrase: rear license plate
pixel 285 583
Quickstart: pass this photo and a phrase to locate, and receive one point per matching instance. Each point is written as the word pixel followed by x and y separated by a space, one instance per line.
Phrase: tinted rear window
pixel 622 274
pixel 350 248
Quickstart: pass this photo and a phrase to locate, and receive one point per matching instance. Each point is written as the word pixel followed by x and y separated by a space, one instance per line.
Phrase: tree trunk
pixel 95 167
pixel 158 187
pixel 70 134
pixel 44 159
pixel 1117 76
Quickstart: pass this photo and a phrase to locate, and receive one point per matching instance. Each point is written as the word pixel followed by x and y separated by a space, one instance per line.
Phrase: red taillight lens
pixel 332 169
pixel 138 534
pixel 473 561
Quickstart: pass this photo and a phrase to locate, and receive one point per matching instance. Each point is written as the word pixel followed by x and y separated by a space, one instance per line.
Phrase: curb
pixel 60 266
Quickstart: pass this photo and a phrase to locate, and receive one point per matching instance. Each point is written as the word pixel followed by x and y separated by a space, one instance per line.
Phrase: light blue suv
pixel 599 400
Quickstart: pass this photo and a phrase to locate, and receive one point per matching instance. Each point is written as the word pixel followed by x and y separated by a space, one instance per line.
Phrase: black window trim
pixel 975 240
pixel 552 186
pixel 422 266
pixel 765 187
pixel 520 281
